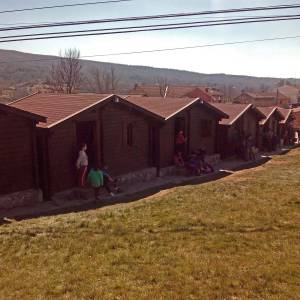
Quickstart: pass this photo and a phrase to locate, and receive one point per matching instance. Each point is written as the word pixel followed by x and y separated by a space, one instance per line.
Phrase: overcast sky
pixel 272 58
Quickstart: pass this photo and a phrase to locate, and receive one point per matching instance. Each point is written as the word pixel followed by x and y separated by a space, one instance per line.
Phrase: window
pixel 130 134
pixel 206 128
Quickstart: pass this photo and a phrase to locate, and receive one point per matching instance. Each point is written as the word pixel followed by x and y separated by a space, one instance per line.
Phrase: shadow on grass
pixel 118 199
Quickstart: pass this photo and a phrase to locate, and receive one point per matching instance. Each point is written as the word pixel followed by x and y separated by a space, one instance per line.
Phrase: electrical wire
pixel 151 17
pixel 61 6
pixel 158 50
pixel 7 40
pixel 150 26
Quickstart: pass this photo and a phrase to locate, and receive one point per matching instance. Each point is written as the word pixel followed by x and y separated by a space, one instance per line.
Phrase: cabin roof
pixel 235 111
pixel 161 107
pixel 286 112
pixel 22 113
pixel 165 108
pixel 58 107
pixel 268 112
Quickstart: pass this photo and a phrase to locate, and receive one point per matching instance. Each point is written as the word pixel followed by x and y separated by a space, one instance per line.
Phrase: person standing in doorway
pixel 180 142
pixel 82 165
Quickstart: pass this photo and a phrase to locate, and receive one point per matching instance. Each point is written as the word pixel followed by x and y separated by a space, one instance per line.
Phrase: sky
pixel 278 58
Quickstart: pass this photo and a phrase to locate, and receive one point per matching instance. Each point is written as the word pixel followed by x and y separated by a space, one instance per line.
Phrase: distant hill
pixel 24 69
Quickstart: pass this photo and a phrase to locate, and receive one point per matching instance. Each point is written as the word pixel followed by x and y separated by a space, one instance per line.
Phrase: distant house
pixel 291 92
pixel 243 121
pixel 179 91
pixel 18 152
pixel 7 94
pixel 270 123
pixel 263 99
pixel 128 135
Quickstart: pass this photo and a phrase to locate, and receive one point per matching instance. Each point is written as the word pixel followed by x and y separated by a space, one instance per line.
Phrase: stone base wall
pixel 138 176
pixel 22 198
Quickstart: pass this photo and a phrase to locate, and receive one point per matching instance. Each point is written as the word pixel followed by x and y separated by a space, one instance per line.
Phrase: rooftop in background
pixel 178 91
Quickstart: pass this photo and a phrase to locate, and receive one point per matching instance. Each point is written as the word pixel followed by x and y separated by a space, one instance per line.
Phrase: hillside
pixel 234 238
pixel 25 69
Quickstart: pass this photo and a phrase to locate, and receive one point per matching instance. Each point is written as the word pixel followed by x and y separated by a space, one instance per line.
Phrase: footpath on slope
pixel 133 192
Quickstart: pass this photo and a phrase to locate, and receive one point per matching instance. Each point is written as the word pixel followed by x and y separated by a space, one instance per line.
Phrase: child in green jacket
pixel 95 179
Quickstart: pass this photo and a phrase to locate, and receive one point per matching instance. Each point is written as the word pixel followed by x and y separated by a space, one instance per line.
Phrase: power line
pixel 152 26
pixel 139 18
pixel 166 27
pixel 159 50
pixel 61 6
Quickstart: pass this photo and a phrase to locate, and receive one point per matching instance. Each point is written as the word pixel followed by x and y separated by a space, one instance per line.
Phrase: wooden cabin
pixel 286 129
pixel 106 123
pixel 196 118
pixel 18 152
pixel 243 121
pixel 127 135
pixel 270 123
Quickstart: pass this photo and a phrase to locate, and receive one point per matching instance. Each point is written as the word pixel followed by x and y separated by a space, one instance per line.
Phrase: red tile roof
pixel 270 95
pixel 268 112
pixel 58 107
pixel 286 112
pixel 148 90
pixel 179 91
pixel 164 108
pixel 174 91
pixel 235 111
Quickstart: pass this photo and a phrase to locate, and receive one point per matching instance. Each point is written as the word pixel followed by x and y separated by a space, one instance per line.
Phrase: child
pixel 192 165
pixel 82 165
pixel 95 179
pixel 178 160
pixel 107 179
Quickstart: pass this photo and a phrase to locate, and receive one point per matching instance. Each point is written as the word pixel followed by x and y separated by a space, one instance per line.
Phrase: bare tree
pixel 163 84
pixel 104 81
pixel 65 75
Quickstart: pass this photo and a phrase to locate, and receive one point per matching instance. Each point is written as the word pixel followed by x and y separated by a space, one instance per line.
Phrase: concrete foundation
pixel 22 198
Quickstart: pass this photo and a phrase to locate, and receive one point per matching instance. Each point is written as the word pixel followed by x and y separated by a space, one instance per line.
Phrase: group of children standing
pixel 194 163
pixel 96 177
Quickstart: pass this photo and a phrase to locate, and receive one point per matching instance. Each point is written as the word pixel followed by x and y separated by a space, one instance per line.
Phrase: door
pixel 153 139
pixel 180 126
pixel 86 132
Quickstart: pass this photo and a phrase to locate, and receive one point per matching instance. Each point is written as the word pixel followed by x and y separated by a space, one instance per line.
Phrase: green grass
pixel 236 238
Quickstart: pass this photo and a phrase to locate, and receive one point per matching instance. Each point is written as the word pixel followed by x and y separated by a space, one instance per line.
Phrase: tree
pixel 65 75
pixel 104 81
pixel 163 84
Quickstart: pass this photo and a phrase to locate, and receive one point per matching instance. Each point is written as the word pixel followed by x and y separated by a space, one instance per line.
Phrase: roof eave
pixel 23 113
pixel 217 111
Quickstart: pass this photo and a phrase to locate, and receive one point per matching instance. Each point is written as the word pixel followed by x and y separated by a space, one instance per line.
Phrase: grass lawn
pixel 235 238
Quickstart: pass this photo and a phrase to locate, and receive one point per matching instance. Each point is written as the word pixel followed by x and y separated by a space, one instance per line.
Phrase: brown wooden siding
pixel 197 137
pixel 62 157
pixel 16 154
pixel 118 155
